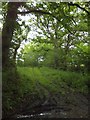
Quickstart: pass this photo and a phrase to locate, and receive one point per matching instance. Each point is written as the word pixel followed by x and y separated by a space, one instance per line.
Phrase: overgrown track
pixel 70 105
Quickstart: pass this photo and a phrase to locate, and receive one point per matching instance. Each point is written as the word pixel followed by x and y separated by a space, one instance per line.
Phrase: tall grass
pixel 54 80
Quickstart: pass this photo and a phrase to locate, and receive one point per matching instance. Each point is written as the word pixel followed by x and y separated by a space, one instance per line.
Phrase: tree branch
pixel 75 4
pixel 34 11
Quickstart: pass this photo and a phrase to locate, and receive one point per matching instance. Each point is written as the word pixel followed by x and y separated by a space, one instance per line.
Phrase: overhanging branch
pixel 41 12
pixel 34 11
pixel 77 5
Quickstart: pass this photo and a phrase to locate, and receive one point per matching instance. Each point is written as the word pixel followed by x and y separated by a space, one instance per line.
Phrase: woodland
pixel 45 59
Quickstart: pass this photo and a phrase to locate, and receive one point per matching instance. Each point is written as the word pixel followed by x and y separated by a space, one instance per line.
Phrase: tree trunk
pixel 7 31
pixel 88 62
pixel 15 51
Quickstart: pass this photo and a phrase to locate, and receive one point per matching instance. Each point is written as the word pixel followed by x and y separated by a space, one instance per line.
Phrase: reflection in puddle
pixel 41 114
pixel 29 116
pixel 24 116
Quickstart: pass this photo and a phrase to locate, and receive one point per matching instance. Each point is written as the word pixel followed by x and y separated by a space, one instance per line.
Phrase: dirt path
pixel 48 105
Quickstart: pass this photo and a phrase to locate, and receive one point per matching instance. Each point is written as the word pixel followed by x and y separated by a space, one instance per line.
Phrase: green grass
pixel 52 79
pixel 37 83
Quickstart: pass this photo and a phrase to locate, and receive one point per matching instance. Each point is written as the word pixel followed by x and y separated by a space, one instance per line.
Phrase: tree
pixel 7 31
pixel 64 31
pixel 65 19
pixel 9 27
